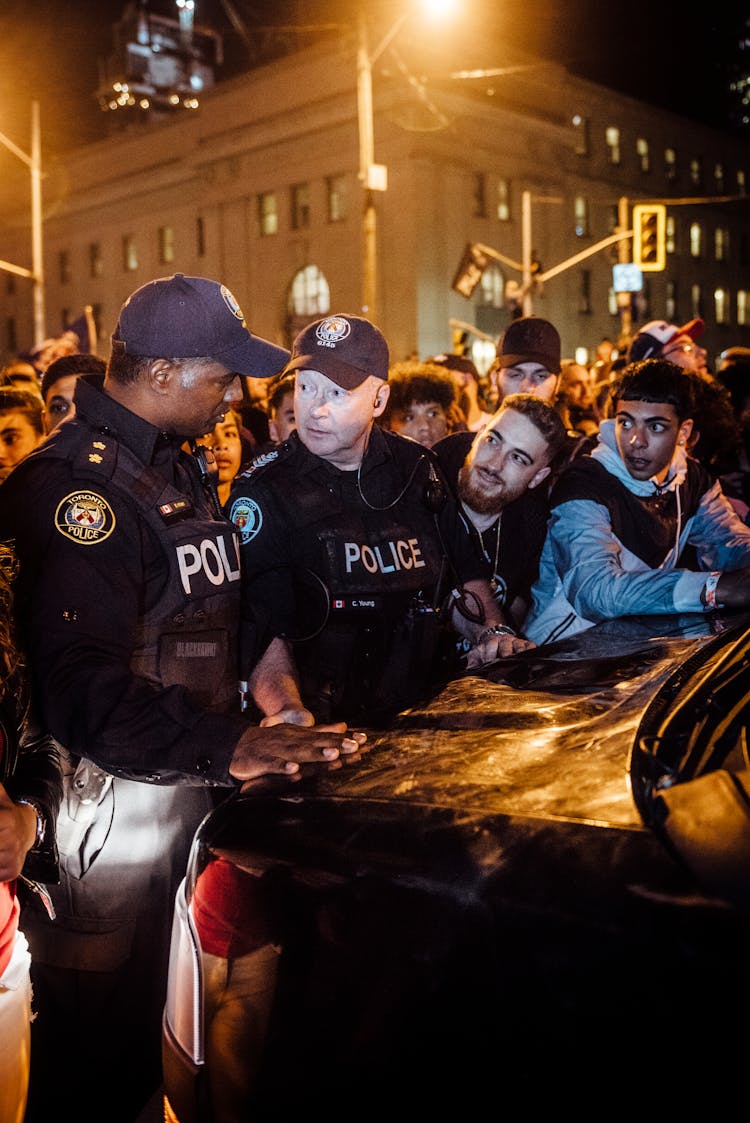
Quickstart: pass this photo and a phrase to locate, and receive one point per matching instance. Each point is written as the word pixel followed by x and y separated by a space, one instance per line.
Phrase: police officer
pixel 353 556
pixel 128 597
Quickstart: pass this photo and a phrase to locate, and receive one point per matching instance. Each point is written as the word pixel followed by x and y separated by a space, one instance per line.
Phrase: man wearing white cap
pixel 661 340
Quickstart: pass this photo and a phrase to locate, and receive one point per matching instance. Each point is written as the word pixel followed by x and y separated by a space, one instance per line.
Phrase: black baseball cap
pixel 530 339
pixel 183 317
pixel 346 349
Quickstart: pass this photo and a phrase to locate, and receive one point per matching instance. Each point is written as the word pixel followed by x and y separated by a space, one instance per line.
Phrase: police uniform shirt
pixel 523 527
pixel 324 549
pixel 92 568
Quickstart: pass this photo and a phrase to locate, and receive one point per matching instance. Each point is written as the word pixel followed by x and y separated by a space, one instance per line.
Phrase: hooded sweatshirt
pixel 617 546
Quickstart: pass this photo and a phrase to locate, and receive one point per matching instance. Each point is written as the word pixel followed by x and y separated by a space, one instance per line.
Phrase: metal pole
pixel 526 252
pixel 366 160
pixel 624 299
pixel 37 250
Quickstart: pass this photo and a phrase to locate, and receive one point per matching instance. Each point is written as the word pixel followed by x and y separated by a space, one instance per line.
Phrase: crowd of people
pixel 221 555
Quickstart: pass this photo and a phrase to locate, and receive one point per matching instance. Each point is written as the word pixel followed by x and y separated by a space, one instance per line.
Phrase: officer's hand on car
pixel 732 590
pixel 496 642
pixel 284 747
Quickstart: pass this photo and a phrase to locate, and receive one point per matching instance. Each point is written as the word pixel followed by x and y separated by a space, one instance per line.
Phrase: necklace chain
pixel 493 577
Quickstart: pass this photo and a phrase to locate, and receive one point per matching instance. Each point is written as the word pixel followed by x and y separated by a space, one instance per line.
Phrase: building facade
pixel 259 188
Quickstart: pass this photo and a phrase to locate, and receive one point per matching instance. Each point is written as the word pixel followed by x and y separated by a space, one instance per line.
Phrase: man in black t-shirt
pixel 496 474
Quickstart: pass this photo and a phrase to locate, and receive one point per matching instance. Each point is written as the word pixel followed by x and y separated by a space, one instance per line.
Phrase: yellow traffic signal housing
pixel 649 233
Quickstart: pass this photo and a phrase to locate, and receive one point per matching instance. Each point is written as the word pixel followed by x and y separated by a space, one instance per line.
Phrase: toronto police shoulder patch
pixel 85 517
pixel 247 517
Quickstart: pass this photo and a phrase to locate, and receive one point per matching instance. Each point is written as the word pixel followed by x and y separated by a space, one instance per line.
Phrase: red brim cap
pixel 694 328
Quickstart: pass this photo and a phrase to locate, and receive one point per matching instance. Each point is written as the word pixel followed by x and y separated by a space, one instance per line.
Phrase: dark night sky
pixel 50 49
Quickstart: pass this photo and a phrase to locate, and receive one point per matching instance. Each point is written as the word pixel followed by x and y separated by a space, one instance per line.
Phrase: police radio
pixel 209 472
pixel 434 493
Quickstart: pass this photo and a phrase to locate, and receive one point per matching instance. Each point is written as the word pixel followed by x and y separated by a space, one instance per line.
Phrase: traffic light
pixel 649 229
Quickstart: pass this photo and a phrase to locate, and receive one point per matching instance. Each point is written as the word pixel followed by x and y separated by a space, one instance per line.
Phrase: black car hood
pixel 532 761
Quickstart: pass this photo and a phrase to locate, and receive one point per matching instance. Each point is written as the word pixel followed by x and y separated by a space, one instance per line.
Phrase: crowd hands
pixel 340 532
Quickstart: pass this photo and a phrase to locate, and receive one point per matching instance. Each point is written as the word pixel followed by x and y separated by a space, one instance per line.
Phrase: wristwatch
pixel 495 630
pixel 41 822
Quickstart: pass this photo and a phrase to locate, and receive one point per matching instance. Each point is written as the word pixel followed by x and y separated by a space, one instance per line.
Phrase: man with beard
pixel 496 474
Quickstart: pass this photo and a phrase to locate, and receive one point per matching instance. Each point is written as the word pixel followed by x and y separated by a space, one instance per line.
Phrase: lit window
pixel 721 243
pixel 310 293
pixel 721 305
pixel 644 159
pixel 129 254
pixel 581 210
pixel 743 307
pixel 670 234
pixel 696 171
pixel 337 190
pixel 268 214
pixel 719 178
pixel 670 164
pixel 741 182
pixel 613 144
pixel 696 239
pixel 492 287
pixel 166 245
pixel 613 306
pixel 503 200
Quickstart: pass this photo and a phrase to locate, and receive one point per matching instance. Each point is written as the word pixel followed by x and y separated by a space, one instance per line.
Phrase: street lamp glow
pixel 439 9
pixel 372 176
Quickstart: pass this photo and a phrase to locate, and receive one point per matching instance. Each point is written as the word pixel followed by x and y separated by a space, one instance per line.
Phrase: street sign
pixel 470 270
pixel 627 277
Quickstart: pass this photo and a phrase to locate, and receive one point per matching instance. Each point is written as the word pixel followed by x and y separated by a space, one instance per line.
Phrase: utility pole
pixel 366 149
pixel 526 252
pixel 624 299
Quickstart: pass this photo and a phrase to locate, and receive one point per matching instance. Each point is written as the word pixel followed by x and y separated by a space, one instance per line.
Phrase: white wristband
pixel 709 592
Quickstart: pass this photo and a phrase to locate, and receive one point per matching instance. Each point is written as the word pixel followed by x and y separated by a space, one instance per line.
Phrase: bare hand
pixel 17 835
pixel 284 747
pixel 496 647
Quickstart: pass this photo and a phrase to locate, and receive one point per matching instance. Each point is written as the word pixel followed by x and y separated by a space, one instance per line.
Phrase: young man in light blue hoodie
pixel 623 517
